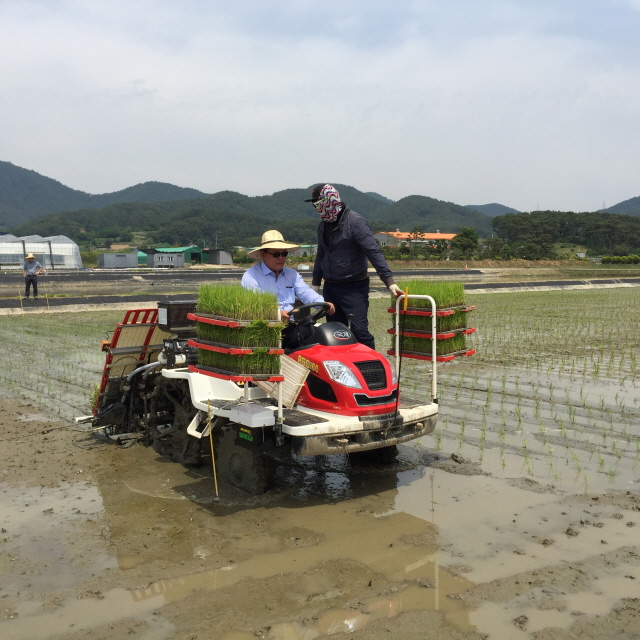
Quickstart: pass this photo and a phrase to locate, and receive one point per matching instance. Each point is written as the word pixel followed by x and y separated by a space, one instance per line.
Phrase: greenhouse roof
pixel 178 249
pixel 35 238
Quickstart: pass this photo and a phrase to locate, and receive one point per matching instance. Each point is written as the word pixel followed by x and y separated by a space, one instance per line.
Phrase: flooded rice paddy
pixel 516 519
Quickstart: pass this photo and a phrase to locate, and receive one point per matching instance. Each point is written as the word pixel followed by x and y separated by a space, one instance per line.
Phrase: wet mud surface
pixel 518 518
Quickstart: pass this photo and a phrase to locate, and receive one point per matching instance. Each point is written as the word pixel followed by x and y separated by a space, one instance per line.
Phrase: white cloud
pixel 497 103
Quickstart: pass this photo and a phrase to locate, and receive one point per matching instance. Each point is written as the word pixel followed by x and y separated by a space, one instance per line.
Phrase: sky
pixel 534 104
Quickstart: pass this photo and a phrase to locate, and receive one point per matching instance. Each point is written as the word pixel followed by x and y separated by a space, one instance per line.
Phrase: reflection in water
pixel 394 546
pixel 358 531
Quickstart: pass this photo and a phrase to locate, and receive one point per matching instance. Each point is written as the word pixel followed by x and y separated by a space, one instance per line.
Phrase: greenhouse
pixel 54 252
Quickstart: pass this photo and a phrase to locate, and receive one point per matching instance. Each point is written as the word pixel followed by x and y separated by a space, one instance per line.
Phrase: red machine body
pixel 331 345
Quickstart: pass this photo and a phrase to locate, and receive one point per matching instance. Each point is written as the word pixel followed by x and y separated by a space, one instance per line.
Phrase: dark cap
pixel 315 192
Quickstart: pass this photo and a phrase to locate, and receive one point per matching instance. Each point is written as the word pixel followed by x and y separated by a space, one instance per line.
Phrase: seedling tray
pixel 443 358
pixel 230 349
pixel 444 335
pixel 440 313
pixel 228 322
pixel 235 377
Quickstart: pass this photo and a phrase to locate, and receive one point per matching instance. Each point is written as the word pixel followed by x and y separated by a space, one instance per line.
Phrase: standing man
pixel 30 270
pixel 345 242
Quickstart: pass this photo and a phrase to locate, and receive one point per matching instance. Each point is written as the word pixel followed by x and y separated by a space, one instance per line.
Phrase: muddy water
pixel 517 519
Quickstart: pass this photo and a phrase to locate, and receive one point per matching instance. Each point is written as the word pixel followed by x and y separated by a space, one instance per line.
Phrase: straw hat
pixel 29 256
pixel 272 240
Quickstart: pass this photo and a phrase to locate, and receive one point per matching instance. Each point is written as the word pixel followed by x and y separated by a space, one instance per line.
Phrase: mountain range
pixel 32 203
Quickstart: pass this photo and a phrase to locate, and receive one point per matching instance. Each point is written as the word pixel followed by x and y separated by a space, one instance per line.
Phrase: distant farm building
pixel 52 252
pixel 165 258
pixel 118 260
pixel 190 255
pixel 398 238
pixel 305 251
pixel 218 256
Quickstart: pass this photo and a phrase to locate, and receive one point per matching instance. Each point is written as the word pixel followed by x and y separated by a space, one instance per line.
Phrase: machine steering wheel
pixel 321 309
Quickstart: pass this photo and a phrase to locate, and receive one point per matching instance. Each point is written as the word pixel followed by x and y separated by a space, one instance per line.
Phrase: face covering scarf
pixel 328 205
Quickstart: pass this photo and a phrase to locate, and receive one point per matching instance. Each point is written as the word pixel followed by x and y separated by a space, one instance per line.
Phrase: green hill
pixel 25 195
pixel 629 207
pixel 164 213
pixel 373 194
pixel 492 210
pixel 432 215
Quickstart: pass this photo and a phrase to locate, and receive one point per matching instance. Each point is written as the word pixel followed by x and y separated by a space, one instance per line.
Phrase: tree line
pixel 602 233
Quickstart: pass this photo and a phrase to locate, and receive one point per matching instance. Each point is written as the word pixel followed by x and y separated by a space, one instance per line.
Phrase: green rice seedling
pixel 257 334
pixel 443 347
pixel 445 294
pixel 615 450
pixel 234 301
pixel 576 462
pixel 259 362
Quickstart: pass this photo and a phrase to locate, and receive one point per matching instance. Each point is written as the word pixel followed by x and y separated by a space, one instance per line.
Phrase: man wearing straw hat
pixel 30 271
pixel 272 276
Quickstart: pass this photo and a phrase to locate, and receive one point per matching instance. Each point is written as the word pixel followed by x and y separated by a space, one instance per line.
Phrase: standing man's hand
pixel 285 316
pixel 332 309
pixel 396 290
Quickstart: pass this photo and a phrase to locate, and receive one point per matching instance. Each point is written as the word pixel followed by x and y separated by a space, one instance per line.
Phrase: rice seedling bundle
pixel 256 311
pixel 446 296
pixel 256 334
pixel 235 302
pixel 258 362
pixel 443 347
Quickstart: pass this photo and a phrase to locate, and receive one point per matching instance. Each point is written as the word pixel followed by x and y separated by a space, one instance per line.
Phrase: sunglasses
pixel 317 203
pixel 277 254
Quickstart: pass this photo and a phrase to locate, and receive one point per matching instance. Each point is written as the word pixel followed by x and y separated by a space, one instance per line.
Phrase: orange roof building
pixel 397 238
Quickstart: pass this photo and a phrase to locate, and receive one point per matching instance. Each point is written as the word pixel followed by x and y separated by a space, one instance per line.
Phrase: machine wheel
pixel 243 468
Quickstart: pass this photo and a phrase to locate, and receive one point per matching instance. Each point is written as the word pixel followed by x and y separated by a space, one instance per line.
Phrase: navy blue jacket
pixel 343 249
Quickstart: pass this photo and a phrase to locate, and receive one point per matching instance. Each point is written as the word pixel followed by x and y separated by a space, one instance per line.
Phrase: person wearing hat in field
pixel 345 242
pixel 30 271
pixel 270 275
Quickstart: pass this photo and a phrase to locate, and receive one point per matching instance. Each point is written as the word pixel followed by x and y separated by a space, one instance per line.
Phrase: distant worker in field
pixel 345 242
pixel 272 276
pixel 30 271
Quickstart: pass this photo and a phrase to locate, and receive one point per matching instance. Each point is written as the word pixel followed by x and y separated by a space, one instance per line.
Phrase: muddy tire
pixel 243 468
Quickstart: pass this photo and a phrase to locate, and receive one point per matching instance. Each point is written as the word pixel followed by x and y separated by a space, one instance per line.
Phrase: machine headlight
pixel 394 375
pixel 341 374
